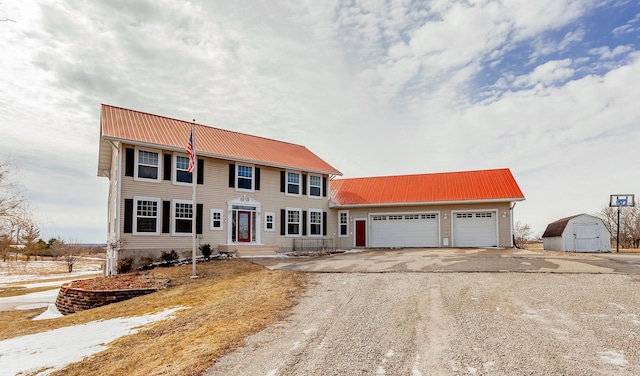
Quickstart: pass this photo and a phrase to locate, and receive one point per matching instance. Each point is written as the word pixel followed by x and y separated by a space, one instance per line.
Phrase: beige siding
pixel 504 223
pixel 215 193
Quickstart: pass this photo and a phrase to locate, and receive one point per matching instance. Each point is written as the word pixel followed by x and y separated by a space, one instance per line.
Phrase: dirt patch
pixel 120 282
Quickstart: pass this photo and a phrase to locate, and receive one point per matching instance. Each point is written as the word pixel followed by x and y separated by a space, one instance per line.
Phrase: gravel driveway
pixel 418 324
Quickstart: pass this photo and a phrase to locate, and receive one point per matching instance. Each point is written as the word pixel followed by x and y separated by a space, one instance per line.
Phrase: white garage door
pixel 475 229
pixel 405 230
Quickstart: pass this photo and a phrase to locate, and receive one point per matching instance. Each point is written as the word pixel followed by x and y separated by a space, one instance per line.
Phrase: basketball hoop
pixel 618 201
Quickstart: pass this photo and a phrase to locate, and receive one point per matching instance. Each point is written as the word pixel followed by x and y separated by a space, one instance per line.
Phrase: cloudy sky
pixel 547 88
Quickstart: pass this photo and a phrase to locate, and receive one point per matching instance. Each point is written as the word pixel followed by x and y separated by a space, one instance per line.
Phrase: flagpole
pixel 193 200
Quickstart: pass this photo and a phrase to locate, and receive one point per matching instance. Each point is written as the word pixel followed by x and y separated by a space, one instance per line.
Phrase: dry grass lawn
pixel 230 300
pixel 539 247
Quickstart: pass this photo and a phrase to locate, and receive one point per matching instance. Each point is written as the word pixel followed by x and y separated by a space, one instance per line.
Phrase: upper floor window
pixel 293 183
pixel 343 223
pixel 244 177
pixel 182 174
pixel 147 165
pixel 146 216
pixel 315 186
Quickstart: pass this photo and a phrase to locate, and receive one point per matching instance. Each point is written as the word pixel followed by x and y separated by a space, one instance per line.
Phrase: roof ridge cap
pixel 203 125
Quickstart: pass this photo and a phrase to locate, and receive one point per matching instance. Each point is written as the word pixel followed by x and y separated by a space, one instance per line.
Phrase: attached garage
pixel 475 229
pixel 578 233
pixel 405 230
pixel 448 209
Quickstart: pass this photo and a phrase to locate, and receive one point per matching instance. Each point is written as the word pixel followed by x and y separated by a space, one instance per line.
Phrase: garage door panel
pixel 475 229
pixel 405 230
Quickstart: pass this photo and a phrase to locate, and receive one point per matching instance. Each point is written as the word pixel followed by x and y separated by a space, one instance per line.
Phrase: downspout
pixel 513 236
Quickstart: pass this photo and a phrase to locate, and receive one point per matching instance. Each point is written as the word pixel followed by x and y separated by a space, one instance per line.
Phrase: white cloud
pixel 605 53
pixel 374 87
pixel 547 73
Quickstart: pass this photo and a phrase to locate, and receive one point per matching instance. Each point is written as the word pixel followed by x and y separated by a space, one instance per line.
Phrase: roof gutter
pixel 430 203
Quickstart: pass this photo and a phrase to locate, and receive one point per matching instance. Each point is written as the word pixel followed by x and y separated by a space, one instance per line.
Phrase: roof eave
pixel 429 203
pixel 220 156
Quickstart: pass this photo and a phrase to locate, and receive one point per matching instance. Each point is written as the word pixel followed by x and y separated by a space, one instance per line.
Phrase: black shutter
pixel 324 186
pixel 324 223
pixel 282 181
pixel 257 178
pixel 128 215
pixel 304 222
pixel 199 209
pixel 200 171
pixel 166 217
pixel 304 185
pixel 129 161
pixel 283 221
pixel 232 175
pixel 167 167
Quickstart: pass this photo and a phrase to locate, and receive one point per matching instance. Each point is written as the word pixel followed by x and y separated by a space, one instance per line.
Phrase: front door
pixel 244 226
pixel 361 233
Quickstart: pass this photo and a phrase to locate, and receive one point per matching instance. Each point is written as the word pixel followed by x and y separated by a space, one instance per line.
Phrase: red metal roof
pixel 142 128
pixel 484 185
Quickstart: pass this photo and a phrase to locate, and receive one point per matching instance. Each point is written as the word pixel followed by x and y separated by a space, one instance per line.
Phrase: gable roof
pixel 557 228
pixel 140 128
pixel 447 187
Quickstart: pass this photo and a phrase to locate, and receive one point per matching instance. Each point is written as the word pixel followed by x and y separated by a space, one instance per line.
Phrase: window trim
pixel 174 168
pixel 299 184
pixel 299 234
pixel 309 224
pixel 173 217
pixel 211 220
pixel 340 212
pixel 158 202
pixel 136 165
pixel 273 221
pixel 309 186
pixel 253 177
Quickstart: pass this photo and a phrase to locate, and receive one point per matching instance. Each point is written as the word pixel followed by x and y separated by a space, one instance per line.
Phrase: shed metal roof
pixel 478 186
pixel 140 128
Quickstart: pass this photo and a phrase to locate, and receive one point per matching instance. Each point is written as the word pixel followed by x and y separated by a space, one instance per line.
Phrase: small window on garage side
pixel 343 223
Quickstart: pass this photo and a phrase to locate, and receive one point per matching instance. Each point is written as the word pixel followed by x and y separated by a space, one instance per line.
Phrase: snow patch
pixel 51 313
pixel 613 357
pixel 55 349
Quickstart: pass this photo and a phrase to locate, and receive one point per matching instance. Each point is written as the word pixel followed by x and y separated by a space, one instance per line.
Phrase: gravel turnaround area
pixel 421 324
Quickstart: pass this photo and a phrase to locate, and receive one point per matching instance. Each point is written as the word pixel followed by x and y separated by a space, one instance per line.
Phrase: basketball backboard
pixel 622 200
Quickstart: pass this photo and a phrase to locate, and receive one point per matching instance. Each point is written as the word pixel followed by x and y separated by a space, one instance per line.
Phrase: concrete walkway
pixel 460 260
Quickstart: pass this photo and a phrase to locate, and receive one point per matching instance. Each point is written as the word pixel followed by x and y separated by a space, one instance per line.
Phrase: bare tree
pixel 69 253
pixel 5 246
pixel 629 224
pixel 522 233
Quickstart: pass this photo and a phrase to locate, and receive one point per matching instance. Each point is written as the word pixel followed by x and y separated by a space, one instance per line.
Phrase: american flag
pixel 190 152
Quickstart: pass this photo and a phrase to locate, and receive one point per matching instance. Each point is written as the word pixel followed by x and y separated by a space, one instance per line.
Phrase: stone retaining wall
pixel 72 300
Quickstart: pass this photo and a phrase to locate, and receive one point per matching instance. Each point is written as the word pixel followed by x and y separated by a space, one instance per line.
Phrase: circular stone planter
pixel 74 299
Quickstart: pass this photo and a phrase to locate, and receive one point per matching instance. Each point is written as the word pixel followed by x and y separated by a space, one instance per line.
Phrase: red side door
pixel 361 233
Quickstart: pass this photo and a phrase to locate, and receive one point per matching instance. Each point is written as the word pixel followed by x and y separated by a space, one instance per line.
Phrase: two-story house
pixel 262 196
